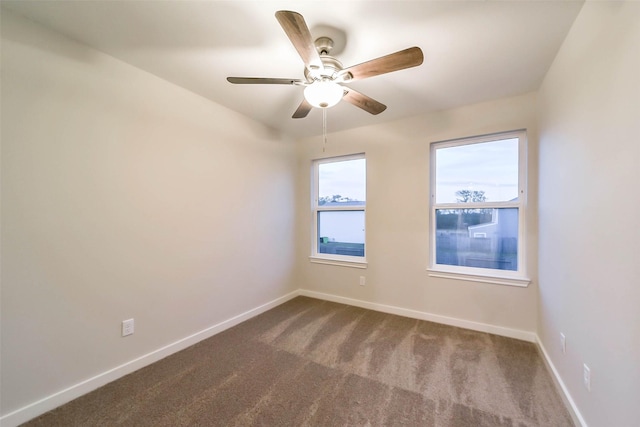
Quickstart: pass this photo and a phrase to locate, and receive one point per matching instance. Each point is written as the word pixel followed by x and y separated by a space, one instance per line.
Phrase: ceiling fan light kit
pixel 324 73
pixel 323 94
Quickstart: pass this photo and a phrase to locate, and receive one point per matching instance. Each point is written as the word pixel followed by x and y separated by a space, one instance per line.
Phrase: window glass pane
pixel 481 238
pixel 482 172
pixel 342 183
pixel 341 232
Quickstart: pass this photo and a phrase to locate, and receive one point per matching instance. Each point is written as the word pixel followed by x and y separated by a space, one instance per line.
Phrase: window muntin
pixel 477 205
pixel 339 202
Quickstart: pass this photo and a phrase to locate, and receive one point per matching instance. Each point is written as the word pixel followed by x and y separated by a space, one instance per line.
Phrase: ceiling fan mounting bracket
pixel 324 45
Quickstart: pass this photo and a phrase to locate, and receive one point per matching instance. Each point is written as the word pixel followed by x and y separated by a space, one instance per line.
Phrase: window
pixel 338 202
pixel 477 208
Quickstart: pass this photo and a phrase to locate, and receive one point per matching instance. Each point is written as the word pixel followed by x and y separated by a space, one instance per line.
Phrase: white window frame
pixel 476 274
pixel 333 259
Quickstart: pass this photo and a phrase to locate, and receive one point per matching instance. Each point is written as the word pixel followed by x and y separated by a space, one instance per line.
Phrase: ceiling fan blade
pixel 400 60
pixel 302 110
pixel 369 105
pixel 262 80
pixel 296 28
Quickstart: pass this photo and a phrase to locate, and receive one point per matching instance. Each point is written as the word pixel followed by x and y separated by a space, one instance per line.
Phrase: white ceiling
pixel 474 50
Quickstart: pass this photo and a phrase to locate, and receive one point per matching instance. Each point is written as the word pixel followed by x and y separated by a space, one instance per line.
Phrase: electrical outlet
pixel 563 343
pixel 586 376
pixel 362 280
pixel 127 327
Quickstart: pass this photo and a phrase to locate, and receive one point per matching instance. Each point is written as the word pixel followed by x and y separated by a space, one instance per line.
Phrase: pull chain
pixel 324 129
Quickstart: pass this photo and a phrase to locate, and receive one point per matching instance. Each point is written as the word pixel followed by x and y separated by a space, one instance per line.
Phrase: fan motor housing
pixel 331 69
pixel 332 66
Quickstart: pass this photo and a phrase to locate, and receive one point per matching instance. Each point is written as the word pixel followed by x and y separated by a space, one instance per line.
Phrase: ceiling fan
pixel 323 74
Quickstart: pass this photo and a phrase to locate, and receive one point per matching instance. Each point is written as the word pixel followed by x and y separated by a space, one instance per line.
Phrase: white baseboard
pixel 414 314
pixel 61 397
pixel 566 396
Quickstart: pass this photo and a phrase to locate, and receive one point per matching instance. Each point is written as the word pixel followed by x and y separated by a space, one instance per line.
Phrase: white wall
pixel 397 223
pixel 125 196
pixel 589 107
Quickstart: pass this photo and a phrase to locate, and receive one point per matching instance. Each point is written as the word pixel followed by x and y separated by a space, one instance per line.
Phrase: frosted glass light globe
pixel 323 94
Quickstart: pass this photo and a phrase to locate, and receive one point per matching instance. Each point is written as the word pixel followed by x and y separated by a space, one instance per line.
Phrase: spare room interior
pixel 174 172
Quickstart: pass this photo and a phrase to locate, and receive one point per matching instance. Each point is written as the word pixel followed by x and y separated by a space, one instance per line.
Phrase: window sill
pixel 338 262
pixel 506 281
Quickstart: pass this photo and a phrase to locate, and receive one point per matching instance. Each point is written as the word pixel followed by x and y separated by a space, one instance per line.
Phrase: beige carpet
pixel 315 363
